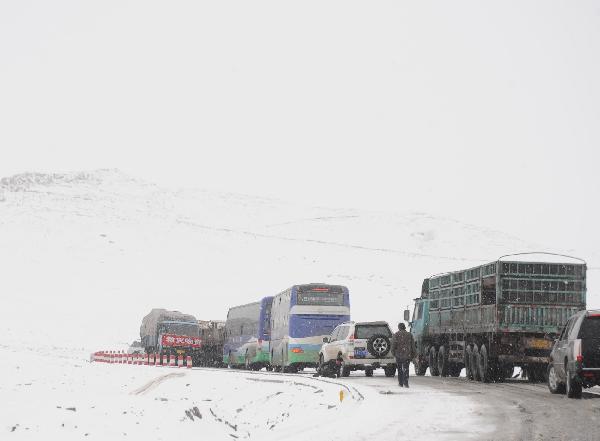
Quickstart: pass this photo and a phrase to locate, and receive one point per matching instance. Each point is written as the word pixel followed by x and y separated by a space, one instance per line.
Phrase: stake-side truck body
pixel 491 318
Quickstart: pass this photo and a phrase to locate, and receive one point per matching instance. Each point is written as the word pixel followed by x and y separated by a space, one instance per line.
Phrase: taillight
pixel 577 350
pixel 297 350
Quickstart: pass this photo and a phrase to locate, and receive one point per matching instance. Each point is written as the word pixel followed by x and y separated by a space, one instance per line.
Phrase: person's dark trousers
pixel 402 371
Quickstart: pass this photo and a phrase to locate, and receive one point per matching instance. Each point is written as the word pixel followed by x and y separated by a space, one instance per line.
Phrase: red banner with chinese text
pixel 174 340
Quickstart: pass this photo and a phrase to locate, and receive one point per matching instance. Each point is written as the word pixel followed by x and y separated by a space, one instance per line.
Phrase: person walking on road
pixel 403 348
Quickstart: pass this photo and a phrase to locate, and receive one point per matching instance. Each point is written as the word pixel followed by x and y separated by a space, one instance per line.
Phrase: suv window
pixel 334 334
pixel 343 332
pixel 367 331
pixel 590 327
pixel 567 329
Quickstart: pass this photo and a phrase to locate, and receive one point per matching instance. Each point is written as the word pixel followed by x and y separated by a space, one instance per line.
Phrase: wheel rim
pixel 380 345
pixel 552 378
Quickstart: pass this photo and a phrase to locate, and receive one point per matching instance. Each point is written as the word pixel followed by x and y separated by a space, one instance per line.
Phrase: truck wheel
pixel 573 385
pixel 475 363
pixel 442 361
pixel 484 365
pixel 433 366
pixel 468 366
pixel 555 386
pixel 454 369
pixel 420 366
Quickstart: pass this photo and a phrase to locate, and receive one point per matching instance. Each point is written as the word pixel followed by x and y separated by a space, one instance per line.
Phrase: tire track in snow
pixel 152 384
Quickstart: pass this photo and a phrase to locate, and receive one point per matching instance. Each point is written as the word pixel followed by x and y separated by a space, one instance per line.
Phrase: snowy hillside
pixel 86 255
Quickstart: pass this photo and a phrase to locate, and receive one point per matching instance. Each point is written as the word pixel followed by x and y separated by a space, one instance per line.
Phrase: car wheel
pixel 369 372
pixel 390 371
pixel 572 385
pixel 320 366
pixel 555 386
pixel 344 369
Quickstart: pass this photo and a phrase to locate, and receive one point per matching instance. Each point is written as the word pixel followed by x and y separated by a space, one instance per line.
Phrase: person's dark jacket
pixel 403 346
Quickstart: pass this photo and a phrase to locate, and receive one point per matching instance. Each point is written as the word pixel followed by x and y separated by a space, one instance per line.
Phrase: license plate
pixel 540 343
pixel 360 352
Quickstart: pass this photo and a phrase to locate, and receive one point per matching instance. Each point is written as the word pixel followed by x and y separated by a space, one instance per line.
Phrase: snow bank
pixel 60 395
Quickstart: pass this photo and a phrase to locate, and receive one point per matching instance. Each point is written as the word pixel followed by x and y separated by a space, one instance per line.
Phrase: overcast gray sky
pixel 483 111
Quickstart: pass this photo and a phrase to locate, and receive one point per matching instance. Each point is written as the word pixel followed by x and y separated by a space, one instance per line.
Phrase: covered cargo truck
pixel 171 333
pixel 212 333
pixel 491 318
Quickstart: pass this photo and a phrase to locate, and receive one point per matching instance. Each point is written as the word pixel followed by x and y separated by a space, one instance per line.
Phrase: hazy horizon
pixel 486 113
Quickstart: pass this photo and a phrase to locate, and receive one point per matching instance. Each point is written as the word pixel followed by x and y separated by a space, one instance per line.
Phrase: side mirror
pixel 406 315
pixel 325 339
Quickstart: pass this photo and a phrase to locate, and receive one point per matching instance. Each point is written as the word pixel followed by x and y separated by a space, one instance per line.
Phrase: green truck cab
pixel 490 318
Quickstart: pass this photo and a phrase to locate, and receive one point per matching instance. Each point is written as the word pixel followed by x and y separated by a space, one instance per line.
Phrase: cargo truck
pixel 491 318
pixel 171 333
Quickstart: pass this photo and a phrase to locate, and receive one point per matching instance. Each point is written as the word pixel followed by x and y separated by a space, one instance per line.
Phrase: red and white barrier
pixel 153 359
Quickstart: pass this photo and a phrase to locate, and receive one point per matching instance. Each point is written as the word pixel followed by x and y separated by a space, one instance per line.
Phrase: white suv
pixel 363 346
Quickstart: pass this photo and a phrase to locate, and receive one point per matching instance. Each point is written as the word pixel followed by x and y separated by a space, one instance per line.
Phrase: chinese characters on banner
pixel 181 340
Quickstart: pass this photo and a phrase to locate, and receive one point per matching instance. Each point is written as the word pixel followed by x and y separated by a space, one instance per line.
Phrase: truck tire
pixel 420 366
pixel 442 361
pixel 468 367
pixel 454 369
pixel 475 363
pixel 484 365
pixel 378 345
pixel 433 366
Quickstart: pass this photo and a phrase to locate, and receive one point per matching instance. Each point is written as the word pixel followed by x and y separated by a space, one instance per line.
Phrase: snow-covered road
pixel 56 395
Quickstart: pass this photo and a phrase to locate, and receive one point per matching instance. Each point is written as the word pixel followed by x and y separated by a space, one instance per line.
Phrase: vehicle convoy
pixel 491 318
pixel 358 346
pixel 171 333
pixel 575 357
pixel 247 334
pixel 301 316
